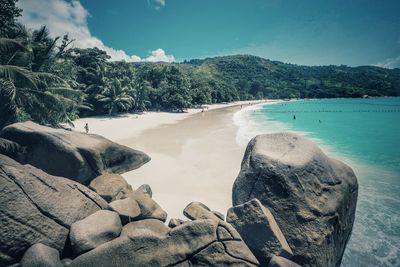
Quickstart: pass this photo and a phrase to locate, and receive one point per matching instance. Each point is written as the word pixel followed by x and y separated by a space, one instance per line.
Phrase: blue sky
pixel 310 32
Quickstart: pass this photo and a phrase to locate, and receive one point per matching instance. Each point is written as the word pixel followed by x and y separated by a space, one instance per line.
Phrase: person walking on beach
pixel 87 128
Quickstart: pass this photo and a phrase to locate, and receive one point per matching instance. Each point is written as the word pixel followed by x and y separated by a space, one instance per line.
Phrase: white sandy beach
pixel 195 155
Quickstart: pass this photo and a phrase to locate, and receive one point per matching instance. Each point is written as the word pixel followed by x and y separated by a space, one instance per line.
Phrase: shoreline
pixel 134 124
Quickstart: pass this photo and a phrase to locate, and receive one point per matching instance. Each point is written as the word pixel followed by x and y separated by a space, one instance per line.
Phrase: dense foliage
pixel 43 79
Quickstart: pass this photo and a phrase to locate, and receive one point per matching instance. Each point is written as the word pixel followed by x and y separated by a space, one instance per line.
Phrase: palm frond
pixel 85 107
pixel 66 91
pixel 16 74
pixel 7 44
pixel 40 35
pixel 7 89
pixel 48 78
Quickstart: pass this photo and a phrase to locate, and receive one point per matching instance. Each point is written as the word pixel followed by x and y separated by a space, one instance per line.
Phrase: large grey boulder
pixel 200 242
pixel 110 186
pixel 149 209
pixel 198 211
pixel 77 156
pixel 38 208
pixel 138 206
pixel 96 229
pixel 153 225
pixel 40 255
pixel 127 208
pixel 312 197
pixel 259 230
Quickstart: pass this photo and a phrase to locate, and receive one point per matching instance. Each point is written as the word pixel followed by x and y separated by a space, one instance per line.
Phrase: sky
pixel 305 32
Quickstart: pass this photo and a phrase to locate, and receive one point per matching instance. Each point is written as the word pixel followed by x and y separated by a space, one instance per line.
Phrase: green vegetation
pixel 43 79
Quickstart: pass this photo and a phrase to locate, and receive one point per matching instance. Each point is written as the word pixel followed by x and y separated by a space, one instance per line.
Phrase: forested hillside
pixel 46 80
pixel 258 77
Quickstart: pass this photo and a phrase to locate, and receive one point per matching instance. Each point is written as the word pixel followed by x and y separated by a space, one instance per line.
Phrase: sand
pixel 194 155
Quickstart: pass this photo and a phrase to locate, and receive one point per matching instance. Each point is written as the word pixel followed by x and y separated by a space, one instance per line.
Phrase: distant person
pixel 87 128
pixel 294 117
pixel 319 121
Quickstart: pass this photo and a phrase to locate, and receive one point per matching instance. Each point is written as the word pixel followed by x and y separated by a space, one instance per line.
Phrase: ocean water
pixel 364 133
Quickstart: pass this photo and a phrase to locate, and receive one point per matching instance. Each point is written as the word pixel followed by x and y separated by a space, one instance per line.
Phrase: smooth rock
pixel 198 211
pixel 110 186
pixel 278 261
pixel 38 208
pixel 174 222
pixel 189 244
pixel 96 229
pixel 149 209
pixel 145 189
pixel 40 255
pixel 153 225
pixel 259 230
pixel 74 155
pixel 127 208
pixel 312 197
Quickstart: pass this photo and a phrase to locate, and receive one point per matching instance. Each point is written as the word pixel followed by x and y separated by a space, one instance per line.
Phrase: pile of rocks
pixel 285 208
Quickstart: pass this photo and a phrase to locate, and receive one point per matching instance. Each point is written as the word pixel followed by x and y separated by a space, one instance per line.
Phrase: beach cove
pixel 194 156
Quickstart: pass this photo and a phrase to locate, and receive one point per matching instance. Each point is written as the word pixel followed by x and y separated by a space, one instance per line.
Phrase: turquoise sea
pixel 364 133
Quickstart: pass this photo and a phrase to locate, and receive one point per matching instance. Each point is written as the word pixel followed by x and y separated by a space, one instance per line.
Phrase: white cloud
pixel 63 17
pixel 390 63
pixel 159 55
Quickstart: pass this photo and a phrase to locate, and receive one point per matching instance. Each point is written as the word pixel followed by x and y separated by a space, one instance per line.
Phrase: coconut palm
pixel 140 89
pixel 115 98
pixel 26 89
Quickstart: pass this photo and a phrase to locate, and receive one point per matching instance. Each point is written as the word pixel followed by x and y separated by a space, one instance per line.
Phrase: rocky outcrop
pixel 38 208
pixel 77 156
pixel 293 205
pixel 40 255
pixel 201 242
pixel 110 186
pixel 259 230
pixel 96 229
pixel 312 197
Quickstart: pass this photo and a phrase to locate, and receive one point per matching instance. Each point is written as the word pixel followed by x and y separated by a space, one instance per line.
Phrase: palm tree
pixel 115 98
pixel 27 91
pixel 139 92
